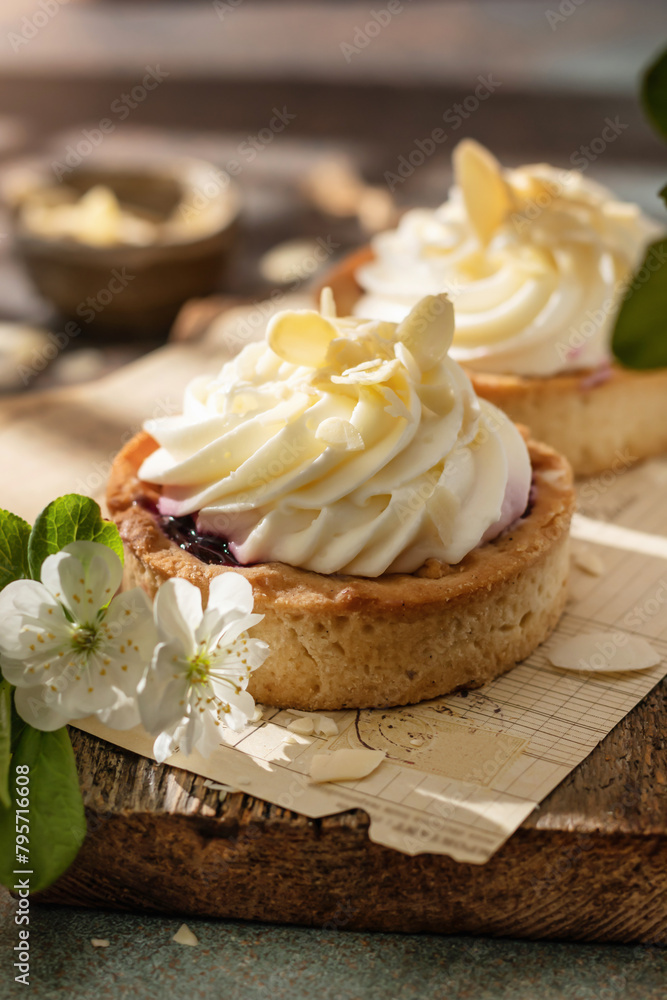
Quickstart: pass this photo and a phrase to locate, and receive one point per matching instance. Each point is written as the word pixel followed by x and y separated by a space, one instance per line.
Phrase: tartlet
pixel 537 261
pixel 343 639
pixel 605 418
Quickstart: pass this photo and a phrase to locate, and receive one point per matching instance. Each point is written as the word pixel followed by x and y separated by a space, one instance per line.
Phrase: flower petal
pixel 28 598
pixel 124 714
pixel 129 638
pixel 241 706
pixel 230 590
pixel 39 668
pixel 163 695
pixel 165 745
pixel 32 708
pixel 84 693
pixel 208 734
pixel 226 631
pixel 63 575
pixel 178 612
pixel 103 570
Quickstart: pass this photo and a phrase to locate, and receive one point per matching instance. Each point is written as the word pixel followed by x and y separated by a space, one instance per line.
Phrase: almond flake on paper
pixel 586 559
pixel 610 652
pixel 345 765
pixel 302 726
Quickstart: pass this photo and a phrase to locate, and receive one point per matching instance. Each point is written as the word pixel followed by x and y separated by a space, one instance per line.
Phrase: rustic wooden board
pixel 589 864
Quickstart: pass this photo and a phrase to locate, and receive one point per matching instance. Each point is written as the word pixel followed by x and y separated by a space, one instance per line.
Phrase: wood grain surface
pixel 589 864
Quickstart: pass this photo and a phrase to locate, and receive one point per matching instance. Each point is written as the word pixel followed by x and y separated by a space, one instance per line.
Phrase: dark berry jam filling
pixel 209 548
pixel 532 497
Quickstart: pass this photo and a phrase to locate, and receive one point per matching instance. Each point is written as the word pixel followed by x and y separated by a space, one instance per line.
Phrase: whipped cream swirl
pixel 343 446
pixel 535 259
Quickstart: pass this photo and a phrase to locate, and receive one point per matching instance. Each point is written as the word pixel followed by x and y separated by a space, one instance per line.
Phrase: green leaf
pixel 14 535
pixel 57 824
pixel 17 727
pixel 5 740
pixel 639 339
pixel 654 94
pixel 69 519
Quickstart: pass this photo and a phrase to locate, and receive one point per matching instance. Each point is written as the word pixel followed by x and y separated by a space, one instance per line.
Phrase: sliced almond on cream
pixel 345 765
pixel 604 651
pixel 301 337
pixel 428 330
pixel 327 302
pixel 185 936
pixel 340 435
pixel 487 195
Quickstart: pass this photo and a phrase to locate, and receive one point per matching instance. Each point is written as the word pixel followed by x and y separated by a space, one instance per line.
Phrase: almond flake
pixel 345 765
pixel 586 559
pixel 185 936
pixel 99 942
pixel 604 651
pixel 303 726
pixel 325 726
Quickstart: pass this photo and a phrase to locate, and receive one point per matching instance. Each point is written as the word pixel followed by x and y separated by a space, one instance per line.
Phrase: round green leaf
pixel 56 819
pixel 639 339
pixel 14 535
pixel 69 519
pixel 654 94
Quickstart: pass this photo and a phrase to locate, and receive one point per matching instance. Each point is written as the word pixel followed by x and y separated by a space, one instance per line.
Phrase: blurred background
pixel 314 124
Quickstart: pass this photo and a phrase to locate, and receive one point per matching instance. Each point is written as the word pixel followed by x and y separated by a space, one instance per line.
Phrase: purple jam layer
pixel 209 548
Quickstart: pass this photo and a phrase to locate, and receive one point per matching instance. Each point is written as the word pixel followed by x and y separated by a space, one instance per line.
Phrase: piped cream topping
pixel 535 259
pixel 343 446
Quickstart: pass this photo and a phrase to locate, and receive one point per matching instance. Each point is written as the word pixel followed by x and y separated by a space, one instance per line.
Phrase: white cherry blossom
pixel 199 675
pixel 69 646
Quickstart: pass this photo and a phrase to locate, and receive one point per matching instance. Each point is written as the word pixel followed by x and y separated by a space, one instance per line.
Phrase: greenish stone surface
pixel 253 962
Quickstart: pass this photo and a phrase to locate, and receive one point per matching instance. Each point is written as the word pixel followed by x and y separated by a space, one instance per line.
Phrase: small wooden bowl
pixel 127 287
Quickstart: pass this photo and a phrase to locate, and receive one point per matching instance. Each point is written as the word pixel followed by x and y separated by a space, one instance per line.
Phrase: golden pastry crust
pixel 354 642
pixel 598 420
